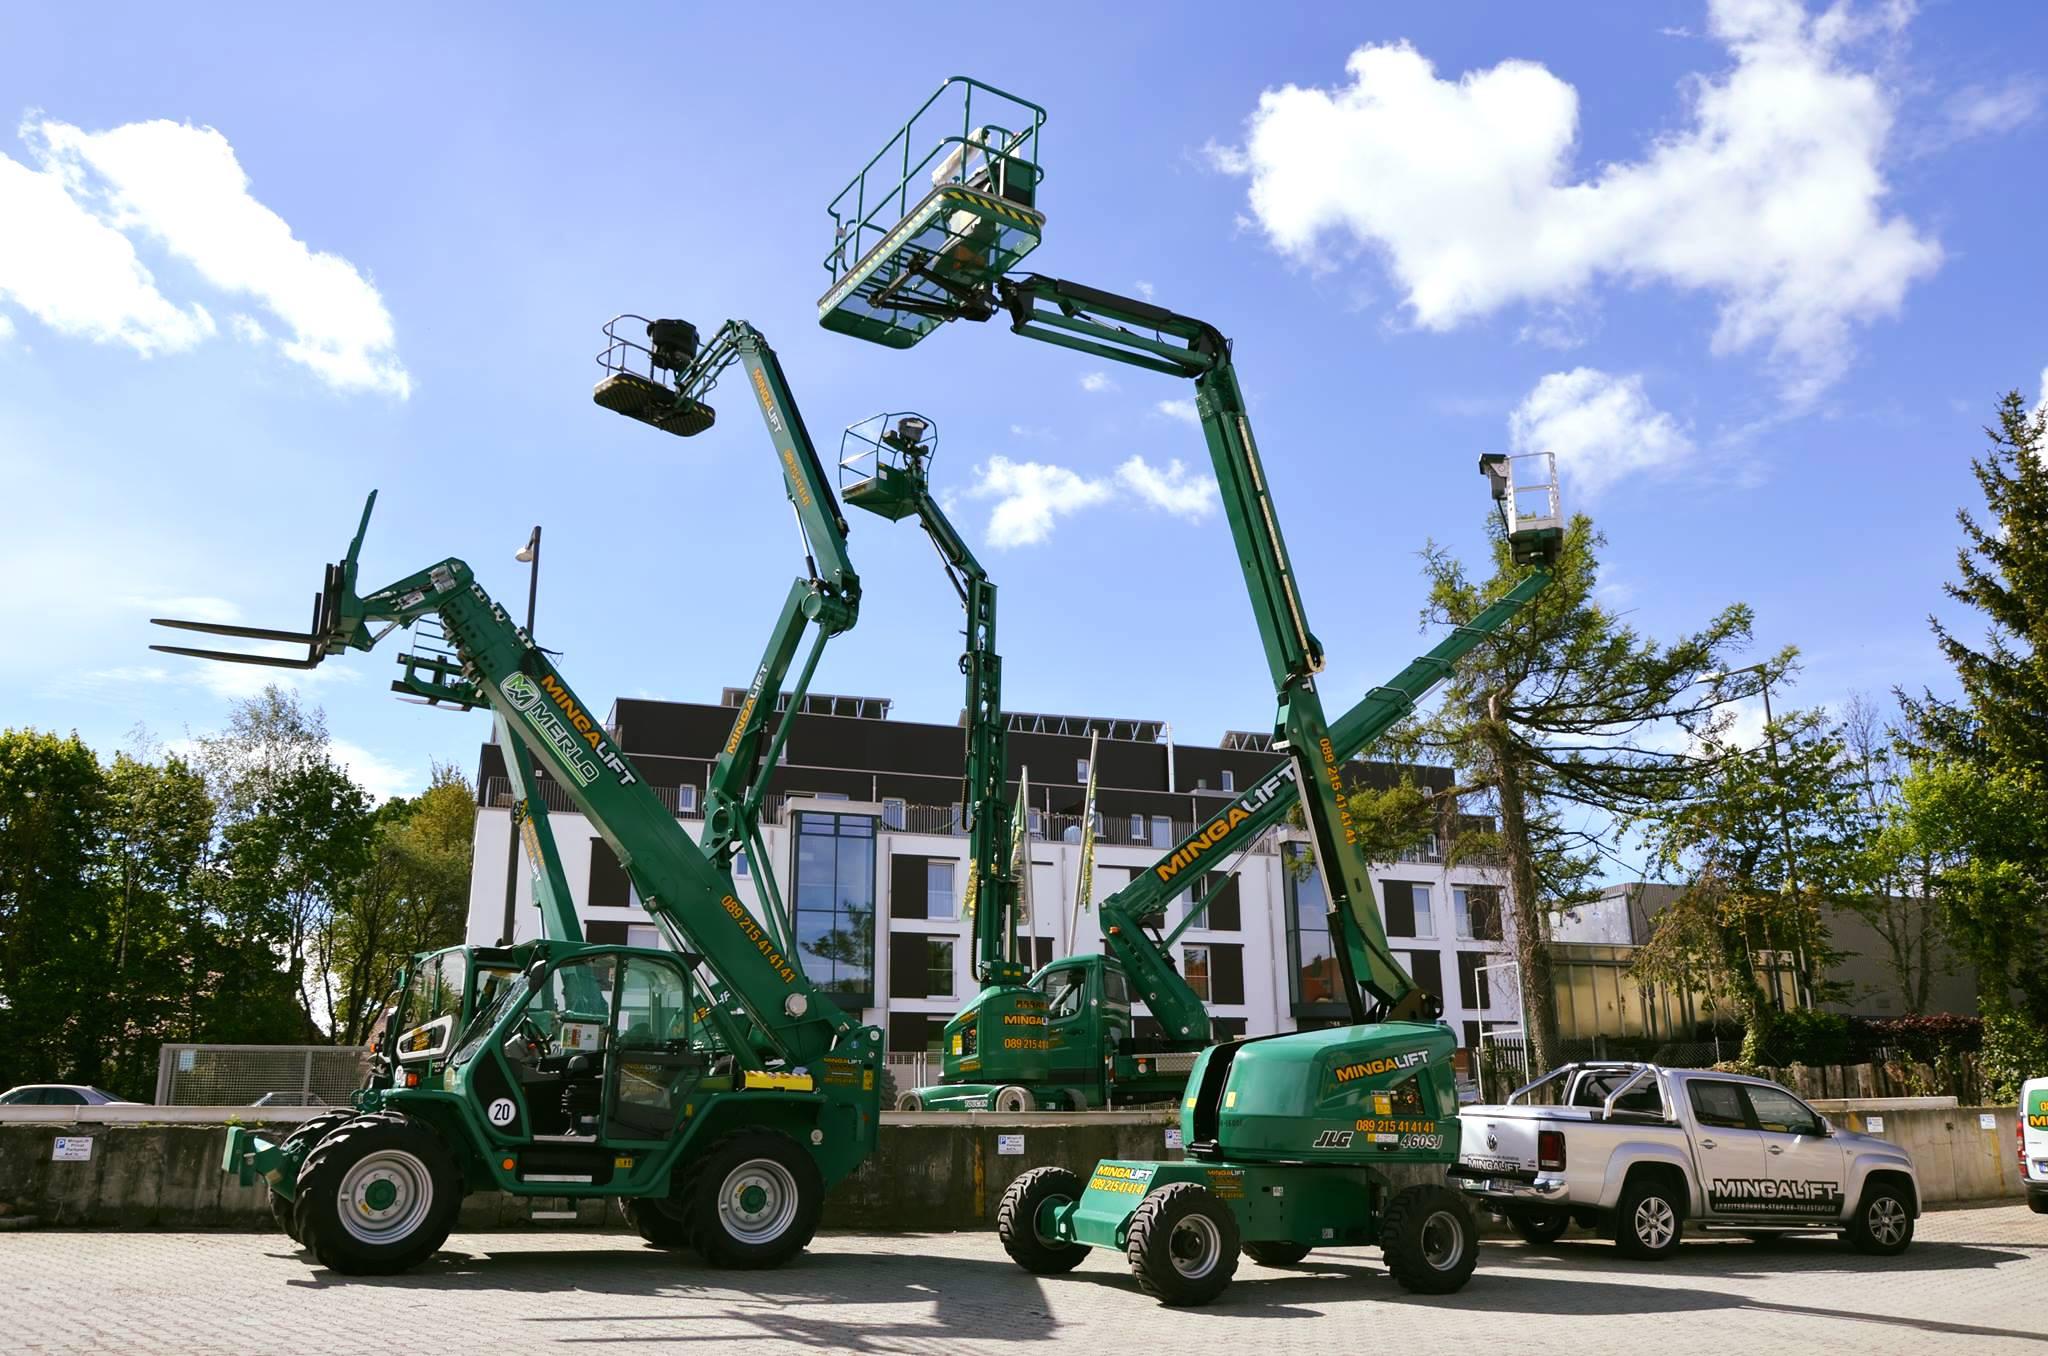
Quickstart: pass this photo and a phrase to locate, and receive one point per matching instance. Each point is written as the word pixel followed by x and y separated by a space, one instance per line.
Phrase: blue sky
pixel 1758 274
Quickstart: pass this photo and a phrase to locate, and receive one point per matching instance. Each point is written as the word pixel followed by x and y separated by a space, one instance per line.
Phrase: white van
pixel 2034 1143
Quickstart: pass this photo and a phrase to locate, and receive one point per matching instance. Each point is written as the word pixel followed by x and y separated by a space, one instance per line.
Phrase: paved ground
pixel 1976 1280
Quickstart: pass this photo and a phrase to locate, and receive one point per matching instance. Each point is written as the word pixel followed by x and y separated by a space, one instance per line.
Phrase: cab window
pixel 1115 988
pixel 1064 990
pixel 1719 1104
pixel 1781 1113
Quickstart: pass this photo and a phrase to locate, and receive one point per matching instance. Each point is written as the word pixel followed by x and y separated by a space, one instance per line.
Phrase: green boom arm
pixel 558 920
pixel 497 665
pixel 1237 826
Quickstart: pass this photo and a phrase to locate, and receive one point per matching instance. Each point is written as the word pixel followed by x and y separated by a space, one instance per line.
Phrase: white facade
pixel 1265 951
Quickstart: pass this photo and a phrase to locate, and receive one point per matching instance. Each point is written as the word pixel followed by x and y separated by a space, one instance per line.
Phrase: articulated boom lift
pixel 1000 1034
pixel 600 1070
pixel 1319 1112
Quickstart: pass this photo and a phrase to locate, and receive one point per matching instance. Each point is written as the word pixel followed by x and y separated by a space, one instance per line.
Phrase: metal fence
pixel 252 1075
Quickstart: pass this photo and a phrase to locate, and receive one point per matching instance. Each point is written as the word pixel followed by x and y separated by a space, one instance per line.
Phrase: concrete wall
pixel 931 1172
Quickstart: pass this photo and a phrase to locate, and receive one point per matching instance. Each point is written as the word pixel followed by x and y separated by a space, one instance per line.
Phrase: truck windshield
pixel 511 992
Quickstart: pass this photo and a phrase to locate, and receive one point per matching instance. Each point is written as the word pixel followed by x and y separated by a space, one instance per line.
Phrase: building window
pixel 1221 911
pixel 1478 909
pixel 1195 970
pixel 1162 831
pixel 1137 828
pixel 739 863
pixel 609 888
pixel 1229 780
pixel 643 935
pixel 910 1032
pixel 1407 909
pixel 1036 818
pixel 938 967
pixel 1426 968
pixel 834 897
pixel 1081 770
pixel 894 814
pixel 686 800
pixel 1315 979
pixel 938 890
pixel 1474 994
pixel 1424 851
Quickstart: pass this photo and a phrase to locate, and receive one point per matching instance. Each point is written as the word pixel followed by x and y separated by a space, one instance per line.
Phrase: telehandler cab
pixel 1288 1137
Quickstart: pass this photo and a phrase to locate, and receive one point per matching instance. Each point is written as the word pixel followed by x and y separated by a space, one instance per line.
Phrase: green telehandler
pixel 712 1084
pixel 1288 1138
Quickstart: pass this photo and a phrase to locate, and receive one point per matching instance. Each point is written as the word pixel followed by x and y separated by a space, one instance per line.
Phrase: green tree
pixel 1764 838
pixel 1895 899
pixel 1559 723
pixel 1977 798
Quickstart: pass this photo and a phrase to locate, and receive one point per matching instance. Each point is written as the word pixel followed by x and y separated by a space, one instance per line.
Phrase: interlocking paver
pixel 1975 1280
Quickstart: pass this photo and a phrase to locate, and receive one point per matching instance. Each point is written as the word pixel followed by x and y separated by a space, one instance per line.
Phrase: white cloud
pixel 78 275
pixel 1600 427
pixel 380 778
pixel 6 329
pixel 1981 110
pixel 67 251
pixel 1183 410
pixel 248 329
pixel 199 608
pixel 2043 404
pixel 1177 490
pixel 1029 497
pixel 1097 382
pixel 1145 289
pixel 1770 198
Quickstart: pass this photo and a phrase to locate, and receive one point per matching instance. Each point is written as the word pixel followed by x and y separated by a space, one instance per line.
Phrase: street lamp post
pixel 529 555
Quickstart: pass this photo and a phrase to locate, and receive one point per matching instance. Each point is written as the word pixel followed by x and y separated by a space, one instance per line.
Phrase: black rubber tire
pixel 308 1133
pixel 1277 1254
pixel 699 1199
pixel 318 1205
pixel 1883 1223
pixel 2038 1204
pixel 1422 1220
pixel 886 1085
pixel 1539 1227
pixel 1639 1219
pixel 655 1225
pixel 1149 1247
pixel 907 1100
pixel 1017 1221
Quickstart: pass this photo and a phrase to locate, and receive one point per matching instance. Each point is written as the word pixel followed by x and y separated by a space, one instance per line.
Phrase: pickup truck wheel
pixel 1182 1246
pixel 2038 1203
pixel 1024 1224
pixel 1277 1254
pixel 1650 1221
pixel 1539 1226
pixel 1883 1223
pixel 1429 1241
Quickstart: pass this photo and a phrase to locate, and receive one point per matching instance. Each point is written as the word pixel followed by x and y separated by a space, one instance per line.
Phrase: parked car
pixel 61 1094
pixel 290 1099
pixel 1639 1152
pixel 2034 1143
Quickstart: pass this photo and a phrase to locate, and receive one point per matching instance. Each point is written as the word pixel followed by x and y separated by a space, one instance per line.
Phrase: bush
pixel 1924 1040
pixel 2015 1050
pixel 1808 1036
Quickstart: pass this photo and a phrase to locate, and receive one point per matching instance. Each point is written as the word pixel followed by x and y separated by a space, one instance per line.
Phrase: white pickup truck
pixel 1639 1152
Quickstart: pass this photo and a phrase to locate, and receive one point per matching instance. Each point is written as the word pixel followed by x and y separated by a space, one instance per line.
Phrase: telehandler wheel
pixel 377 1196
pixel 1022 1221
pixel 1182 1245
pixel 1429 1241
pixel 308 1133
pixel 752 1200
pixel 1539 1226
pixel 1012 1100
pixel 1272 1254
pixel 652 1221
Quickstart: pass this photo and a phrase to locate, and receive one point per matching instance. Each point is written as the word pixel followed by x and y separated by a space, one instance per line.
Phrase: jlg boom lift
pixel 1287 1136
pixel 597 1070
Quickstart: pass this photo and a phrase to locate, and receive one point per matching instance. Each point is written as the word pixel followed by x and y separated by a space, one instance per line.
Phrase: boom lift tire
pixel 1428 1239
pixel 1011 1101
pixel 308 1133
pixel 752 1201
pixel 1883 1223
pixel 1273 1254
pixel 1183 1244
pixel 1649 1224
pixel 907 1100
pixel 1037 1191
pixel 655 1225
pixel 1539 1226
pixel 377 1196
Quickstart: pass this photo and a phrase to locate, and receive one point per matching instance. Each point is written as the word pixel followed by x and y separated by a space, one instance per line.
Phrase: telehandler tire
pixel 1429 1240
pixel 308 1133
pixel 1182 1244
pixel 1275 1254
pixel 655 1225
pixel 1017 1221
pixel 752 1200
pixel 377 1196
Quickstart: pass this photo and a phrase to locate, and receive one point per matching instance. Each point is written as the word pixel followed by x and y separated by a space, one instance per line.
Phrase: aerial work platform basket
pixel 920 241
pixel 884 462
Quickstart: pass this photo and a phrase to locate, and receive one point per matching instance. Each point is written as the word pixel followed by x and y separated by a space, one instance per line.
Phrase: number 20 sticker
pixel 502 1112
